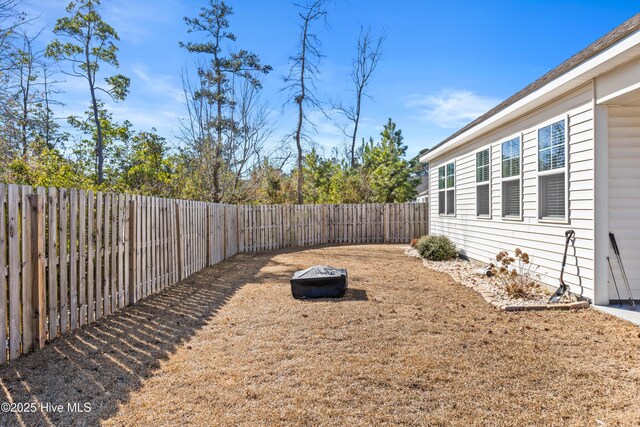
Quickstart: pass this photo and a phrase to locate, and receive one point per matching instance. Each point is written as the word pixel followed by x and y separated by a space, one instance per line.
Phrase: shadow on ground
pixel 107 360
pixel 351 294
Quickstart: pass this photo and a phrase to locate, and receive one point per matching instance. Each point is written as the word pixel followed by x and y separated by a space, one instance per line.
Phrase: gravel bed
pixel 468 273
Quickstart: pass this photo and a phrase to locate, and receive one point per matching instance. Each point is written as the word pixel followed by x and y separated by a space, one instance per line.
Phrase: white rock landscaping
pixel 471 276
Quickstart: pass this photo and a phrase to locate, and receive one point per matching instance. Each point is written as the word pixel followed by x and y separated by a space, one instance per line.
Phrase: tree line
pixel 227 148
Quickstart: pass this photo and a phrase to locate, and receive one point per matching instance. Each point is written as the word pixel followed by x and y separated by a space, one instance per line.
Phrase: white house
pixel 563 153
pixel 422 190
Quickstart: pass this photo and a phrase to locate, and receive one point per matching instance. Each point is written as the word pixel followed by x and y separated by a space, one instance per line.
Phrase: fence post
pixel 133 253
pixel 36 202
pixel 385 220
pixel 179 239
pixel 208 239
pixel 426 218
pixel 238 233
pixel 325 224
pixel 226 231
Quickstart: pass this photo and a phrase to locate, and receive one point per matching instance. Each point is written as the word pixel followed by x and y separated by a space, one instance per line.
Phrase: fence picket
pixel 106 277
pixel 82 255
pixel 27 288
pixel 91 273
pixel 63 265
pixel 126 214
pixel 3 276
pixel 39 291
pixel 119 301
pixel 14 271
pixel 99 255
pixel 52 260
pixel 73 258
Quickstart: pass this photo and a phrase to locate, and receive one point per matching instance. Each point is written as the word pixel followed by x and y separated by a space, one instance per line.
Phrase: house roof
pixel 625 29
pixel 423 187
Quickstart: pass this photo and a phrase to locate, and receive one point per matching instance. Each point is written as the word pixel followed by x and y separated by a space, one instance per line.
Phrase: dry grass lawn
pixel 406 346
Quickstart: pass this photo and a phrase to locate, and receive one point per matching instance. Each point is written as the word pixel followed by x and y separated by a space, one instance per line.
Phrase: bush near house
pixel 436 248
pixel 517 274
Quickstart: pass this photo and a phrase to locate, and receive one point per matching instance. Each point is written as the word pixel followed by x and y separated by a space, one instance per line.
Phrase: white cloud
pixel 161 85
pixel 165 121
pixel 451 108
pixel 327 135
pixel 132 20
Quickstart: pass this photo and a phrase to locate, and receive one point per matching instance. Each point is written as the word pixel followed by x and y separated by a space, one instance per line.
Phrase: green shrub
pixel 436 248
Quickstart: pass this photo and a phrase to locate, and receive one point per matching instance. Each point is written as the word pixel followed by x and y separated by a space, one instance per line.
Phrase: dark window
pixel 551 169
pixel 482 200
pixel 511 178
pixel 511 198
pixel 482 183
pixel 552 197
pixel 446 189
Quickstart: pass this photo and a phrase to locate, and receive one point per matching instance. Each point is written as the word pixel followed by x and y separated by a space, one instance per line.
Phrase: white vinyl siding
pixel 482 238
pixel 624 195
pixel 552 182
pixel 483 183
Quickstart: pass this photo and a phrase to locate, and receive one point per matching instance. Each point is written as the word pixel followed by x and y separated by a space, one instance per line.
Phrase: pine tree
pixel 389 172
pixel 91 44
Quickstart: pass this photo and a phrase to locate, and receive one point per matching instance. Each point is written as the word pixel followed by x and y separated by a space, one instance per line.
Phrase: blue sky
pixel 444 63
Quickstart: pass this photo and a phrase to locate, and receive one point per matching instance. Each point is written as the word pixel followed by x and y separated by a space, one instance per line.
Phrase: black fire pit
pixel 319 281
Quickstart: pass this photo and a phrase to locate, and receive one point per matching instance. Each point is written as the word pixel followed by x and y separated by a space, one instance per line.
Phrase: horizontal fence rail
pixel 71 257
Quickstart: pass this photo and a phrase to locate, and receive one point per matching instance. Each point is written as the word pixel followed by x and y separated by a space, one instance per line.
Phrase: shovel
pixel 563 288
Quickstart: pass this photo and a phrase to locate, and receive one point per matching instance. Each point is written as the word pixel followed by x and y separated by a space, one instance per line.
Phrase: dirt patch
pixel 407 345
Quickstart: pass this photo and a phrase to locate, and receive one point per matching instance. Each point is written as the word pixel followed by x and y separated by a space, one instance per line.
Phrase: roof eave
pixel 610 58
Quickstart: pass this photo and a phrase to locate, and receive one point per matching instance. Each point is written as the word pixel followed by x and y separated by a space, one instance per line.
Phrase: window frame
pixel 446 188
pixel 557 171
pixel 483 183
pixel 519 177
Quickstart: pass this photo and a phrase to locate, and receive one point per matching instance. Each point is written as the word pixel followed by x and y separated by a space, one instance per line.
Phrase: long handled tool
pixel 563 288
pixel 632 303
pixel 615 283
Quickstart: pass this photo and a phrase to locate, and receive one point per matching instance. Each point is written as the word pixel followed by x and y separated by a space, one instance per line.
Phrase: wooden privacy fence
pixel 70 257
pixel 269 227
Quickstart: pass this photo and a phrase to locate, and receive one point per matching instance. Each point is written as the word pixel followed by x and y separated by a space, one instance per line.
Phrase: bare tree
pixel 196 134
pixel 28 89
pixel 368 55
pixel 215 76
pixel 302 76
pixel 244 141
pixel 246 145
pixel 10 19
pixel 47 128
pixel 26 65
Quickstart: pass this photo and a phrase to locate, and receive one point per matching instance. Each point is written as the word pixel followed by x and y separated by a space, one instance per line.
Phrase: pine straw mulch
pixel 407 345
